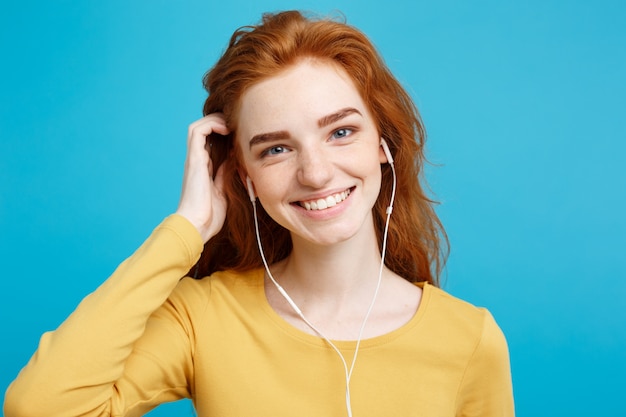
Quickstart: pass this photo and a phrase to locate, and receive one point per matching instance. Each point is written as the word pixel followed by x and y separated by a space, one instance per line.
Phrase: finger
pixel 212 123
pixel 197 137
pixel 213 116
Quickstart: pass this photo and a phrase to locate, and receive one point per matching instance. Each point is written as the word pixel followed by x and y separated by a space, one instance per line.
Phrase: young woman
pixel 302 207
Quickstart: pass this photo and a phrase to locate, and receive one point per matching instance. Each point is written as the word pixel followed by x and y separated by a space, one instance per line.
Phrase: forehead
pixel 296 97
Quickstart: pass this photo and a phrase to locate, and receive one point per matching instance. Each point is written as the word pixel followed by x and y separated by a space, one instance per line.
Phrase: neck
pixel 332 274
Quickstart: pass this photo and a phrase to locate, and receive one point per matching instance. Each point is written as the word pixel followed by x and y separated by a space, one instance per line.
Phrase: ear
pixel 384 155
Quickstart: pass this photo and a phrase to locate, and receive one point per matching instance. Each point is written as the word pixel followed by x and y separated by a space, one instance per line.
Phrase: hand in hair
pixel 202 201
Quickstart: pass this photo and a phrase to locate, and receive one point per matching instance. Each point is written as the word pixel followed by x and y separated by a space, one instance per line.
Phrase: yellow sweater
pixel 145 337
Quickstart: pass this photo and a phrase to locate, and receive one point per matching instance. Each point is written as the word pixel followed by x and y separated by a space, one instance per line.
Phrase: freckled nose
pixel 315 169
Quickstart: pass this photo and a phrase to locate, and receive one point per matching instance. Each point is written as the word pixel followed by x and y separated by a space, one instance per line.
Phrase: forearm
pixel 77 365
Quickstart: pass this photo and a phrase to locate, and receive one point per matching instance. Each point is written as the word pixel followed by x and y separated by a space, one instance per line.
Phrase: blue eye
pixel 342 133
pixel 274 150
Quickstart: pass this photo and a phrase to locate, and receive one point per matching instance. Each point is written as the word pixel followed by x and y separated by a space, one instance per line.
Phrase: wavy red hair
pixel 417 244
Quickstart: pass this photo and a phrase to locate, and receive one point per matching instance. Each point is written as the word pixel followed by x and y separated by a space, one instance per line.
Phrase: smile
pixel 324 203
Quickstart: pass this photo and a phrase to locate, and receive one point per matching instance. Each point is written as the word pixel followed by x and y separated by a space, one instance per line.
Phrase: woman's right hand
pixel 202 201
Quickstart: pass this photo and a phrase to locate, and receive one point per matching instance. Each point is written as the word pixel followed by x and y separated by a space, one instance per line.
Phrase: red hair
pixel 417 244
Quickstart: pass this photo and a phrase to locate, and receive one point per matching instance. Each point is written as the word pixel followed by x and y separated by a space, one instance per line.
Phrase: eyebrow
pixel 332 118
pixel 268 137
pixel 283 134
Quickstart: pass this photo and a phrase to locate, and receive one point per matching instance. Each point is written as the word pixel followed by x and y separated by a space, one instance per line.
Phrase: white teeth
pixel 324 203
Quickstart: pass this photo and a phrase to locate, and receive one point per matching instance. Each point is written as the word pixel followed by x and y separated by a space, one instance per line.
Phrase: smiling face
pixel 312 150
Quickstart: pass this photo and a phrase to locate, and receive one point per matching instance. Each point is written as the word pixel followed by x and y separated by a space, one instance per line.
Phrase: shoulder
pixel 461 323
pixel 455 312
pixel 471 338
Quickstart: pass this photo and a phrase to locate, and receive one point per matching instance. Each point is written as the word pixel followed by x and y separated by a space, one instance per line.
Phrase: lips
pixel 324 203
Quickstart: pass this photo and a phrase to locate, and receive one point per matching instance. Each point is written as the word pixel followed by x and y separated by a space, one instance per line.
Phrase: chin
pixel 330 235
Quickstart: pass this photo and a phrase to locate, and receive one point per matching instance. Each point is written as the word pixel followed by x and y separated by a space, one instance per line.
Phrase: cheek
pixel 270 186
pixel 364 164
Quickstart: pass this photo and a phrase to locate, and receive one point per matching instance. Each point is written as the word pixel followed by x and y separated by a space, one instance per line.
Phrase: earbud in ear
pixel 383 143
pixel 250 189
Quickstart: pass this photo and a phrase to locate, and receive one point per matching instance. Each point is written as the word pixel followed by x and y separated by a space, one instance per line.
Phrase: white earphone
pixel 348 371
pixel 383 143
pixel 250 189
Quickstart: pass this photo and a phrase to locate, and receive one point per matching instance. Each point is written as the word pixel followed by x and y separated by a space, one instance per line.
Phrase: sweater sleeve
pixel 486 389
pixel 92 364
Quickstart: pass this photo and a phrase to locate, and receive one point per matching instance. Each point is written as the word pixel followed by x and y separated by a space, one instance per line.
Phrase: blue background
pixel 524 103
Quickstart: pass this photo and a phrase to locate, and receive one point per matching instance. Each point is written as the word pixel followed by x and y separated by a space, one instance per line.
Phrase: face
pixel 312 150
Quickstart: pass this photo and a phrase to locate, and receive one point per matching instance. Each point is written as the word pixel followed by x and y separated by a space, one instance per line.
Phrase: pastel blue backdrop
pixel 524 103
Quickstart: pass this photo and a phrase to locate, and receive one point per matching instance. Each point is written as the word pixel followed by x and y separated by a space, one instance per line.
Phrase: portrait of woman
pixel 314 208
pixel 300 273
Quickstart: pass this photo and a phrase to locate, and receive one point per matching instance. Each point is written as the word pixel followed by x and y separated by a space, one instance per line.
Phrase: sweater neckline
pixel 294 332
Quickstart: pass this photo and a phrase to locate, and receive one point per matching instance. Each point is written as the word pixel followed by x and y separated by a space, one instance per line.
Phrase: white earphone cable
pixel 281 290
